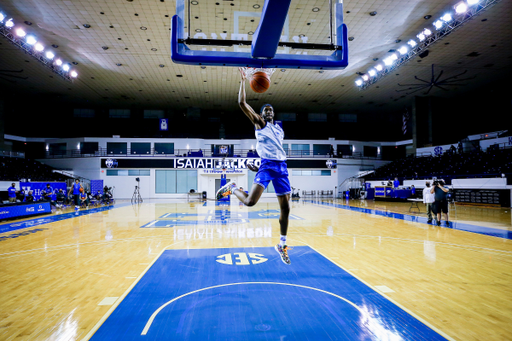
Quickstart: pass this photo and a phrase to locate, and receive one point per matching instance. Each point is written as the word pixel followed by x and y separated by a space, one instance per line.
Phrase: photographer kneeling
pixel 441 201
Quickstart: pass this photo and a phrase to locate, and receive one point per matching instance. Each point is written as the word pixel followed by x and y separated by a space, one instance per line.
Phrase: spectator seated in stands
pixel 84 199
pixel 61 199
pixel 47 193
pixel 29 197
pixel 20 196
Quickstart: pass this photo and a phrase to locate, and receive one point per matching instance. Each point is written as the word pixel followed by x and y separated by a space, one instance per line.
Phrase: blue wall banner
pixel 96 185
pixel 37 187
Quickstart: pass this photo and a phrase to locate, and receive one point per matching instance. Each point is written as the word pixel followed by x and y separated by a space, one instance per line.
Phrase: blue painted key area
pixel 249 294
pixel 488 231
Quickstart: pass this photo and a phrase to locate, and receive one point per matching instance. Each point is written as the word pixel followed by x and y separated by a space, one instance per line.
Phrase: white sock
pixel 282 240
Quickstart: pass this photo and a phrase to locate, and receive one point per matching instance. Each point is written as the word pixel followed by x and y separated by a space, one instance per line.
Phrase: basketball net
pixel 249 71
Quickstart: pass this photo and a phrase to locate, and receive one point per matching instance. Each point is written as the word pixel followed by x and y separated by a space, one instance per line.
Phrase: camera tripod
pixel 136 198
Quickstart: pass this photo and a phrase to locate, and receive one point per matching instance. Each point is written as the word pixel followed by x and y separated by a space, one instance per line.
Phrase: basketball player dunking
pixel 273 168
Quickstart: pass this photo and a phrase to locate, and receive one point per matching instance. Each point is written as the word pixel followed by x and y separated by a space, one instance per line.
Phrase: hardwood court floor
pixel 457 282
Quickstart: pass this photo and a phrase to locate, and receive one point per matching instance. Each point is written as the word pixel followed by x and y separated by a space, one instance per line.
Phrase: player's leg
pixel 252 198
pixel 283 190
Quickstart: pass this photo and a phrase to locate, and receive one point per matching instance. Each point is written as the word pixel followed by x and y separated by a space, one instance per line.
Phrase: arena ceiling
pixel 483 46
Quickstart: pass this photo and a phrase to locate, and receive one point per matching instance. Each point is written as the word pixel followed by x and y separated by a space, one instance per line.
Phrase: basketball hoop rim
pixel 250 71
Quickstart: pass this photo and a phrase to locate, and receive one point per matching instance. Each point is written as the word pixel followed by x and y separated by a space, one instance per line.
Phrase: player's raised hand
pixel 252 167
pixel 242 73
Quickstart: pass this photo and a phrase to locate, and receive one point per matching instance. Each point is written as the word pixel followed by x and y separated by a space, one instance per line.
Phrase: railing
pixel 12 154
pixel 103 152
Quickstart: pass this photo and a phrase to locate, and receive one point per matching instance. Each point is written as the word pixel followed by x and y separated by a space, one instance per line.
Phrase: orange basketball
pixel 260 82
pixel 81 189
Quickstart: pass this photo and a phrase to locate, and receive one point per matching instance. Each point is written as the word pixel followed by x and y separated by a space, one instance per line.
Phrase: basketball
pixel 81 189
pixel 260 82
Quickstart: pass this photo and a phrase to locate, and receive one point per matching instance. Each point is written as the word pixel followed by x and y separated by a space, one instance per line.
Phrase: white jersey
pixel 269 143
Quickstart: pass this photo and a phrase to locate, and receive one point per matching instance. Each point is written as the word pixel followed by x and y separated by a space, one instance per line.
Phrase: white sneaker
pixel 225 190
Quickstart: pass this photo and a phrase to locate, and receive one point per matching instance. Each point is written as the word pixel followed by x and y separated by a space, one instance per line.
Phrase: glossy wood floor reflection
pixel 458 283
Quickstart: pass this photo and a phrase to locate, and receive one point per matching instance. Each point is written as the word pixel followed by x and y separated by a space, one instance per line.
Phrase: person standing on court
pixel 75 188
pixel 273 167
pixel 441 201
pixel 11 191
pixel 428 200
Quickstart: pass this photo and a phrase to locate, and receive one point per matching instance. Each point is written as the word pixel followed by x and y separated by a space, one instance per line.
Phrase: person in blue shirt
pixel 396 183
pixel 12 193
pixel 84 199
pixel 273 167
pixel 75 190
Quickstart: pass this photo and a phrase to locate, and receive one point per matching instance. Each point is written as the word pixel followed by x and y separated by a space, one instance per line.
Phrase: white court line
pixel 151 319
pixel 151 223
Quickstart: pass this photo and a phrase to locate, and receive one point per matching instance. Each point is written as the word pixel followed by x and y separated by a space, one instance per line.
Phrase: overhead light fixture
pixel 256 6
pixel 427 32
pixel 388 61
pixel 58 62
pixel 87 26
pixel 39 47
pixel 194 2
pixel 359 82
pixel 378 67
pixel 50 55
pixel 393 57
pixel 472 2
pixel 65 67
pixel 372 72
pixel 438 24
pixel 421 36
pixel 316 9
pixel 403 50
pixel 365 77
pixel 31 40
pixel 460 7
pixel 447 17
pixel 73 74
pixel 198 30
pixel 143 28
pixel 2 17
pixel 161 65
pixel 412 43
pixel 9 23
pixel 20 32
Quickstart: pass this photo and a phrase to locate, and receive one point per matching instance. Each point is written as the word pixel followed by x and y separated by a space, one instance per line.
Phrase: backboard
pixel 271 34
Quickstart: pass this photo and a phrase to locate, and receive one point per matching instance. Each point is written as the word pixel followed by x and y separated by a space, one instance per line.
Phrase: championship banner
pixel 38 187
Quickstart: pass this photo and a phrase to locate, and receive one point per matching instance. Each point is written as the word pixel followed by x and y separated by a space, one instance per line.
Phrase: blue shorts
pixel 276 171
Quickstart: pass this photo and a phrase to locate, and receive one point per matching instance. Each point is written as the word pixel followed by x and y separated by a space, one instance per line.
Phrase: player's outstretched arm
pixel 246 108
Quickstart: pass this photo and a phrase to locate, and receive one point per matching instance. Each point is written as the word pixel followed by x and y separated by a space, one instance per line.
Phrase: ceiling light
pixel 119 64
pixel 50 55
pixel 393 57
pixel 9 23
pixel 388 61
pixel 65 67
pixel 438 24
pixel 29 23
pixel 194 2
pixel 20 32
pixel 427 32
pixel 39 47
pixel 105 47
pixel 73 74
pixel 472 2
pixel 421 36
pixel 316 9
pixel 359 82
pixel 372 72
pixel 447 17
pixel 364 77
pixel 31 40
pixel 161 65
pixel 58 62
pixel 374 13
pixel 428 16
pixel 403 50
pixel 143 28
pixel 460 7
pixel 256 6
pixel 378 67
pixel 2 17
pixel 153 49
pixel 87 26
pixel 412 43
pixel 199 30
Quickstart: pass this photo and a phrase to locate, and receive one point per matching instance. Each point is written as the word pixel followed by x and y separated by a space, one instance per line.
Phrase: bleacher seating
pixel 14 169
pixel 491 163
